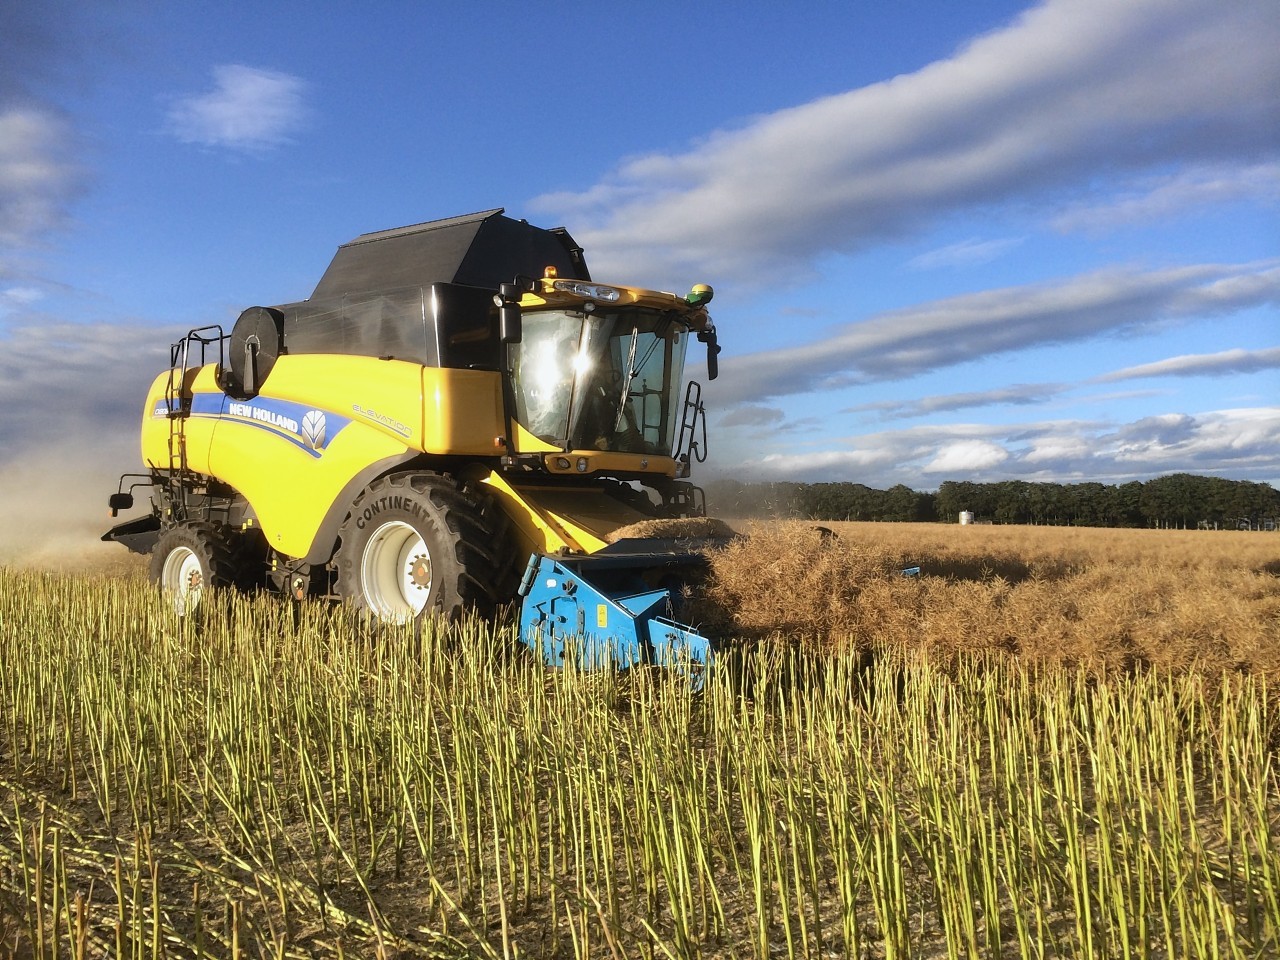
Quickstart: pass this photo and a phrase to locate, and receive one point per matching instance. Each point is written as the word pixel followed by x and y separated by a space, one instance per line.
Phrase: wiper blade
pixel 626 380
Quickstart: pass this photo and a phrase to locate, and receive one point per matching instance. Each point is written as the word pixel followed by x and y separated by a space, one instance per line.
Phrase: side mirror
pixel 120 501
pixel 510 328
pixel 708 336
pixel 509 324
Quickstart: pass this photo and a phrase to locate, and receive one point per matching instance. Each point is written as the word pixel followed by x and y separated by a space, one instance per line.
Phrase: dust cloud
pixel 53 506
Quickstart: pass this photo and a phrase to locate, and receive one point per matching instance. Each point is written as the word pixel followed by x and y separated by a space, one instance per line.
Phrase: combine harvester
pixel 457 415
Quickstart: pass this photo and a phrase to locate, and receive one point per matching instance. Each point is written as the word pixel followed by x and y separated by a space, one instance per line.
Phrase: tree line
pixel 1181 500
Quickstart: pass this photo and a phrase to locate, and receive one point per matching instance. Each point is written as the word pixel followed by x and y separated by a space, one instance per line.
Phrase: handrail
pixel 693 421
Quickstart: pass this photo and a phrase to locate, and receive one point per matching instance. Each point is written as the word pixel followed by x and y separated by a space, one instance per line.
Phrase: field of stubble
pixel 1052 742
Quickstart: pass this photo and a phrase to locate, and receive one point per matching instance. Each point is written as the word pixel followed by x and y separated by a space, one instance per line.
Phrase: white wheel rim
pixel 395 572
pixel 183 579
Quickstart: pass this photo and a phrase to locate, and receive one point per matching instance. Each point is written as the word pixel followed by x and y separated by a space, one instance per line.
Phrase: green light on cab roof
pixel 700 295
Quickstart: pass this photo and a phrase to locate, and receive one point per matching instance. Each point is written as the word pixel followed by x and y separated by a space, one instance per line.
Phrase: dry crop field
pixel 1107 599
pixel 1051 743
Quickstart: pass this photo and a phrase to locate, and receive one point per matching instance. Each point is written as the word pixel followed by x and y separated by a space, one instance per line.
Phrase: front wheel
pixel 187 560
pixel 417 544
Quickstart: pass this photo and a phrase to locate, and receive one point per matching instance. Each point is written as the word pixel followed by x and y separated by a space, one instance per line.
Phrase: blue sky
pixel 949 241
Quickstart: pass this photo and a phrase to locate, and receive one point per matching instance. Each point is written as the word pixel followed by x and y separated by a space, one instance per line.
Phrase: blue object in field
pixel 564 616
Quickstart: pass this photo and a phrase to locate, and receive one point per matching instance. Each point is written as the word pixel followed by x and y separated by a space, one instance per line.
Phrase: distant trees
pixel 819 501
pixel 1184 499
pixel 1177 500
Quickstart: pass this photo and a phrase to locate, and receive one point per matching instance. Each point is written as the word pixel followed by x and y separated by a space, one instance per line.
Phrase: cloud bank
pixel 1221 364
pixel 1071 91
pixel 40 173
pixel 38 176
pixel 931 336
pixel 1157 198
pixel 1021 394
pixel 78 381
pixel 1238 442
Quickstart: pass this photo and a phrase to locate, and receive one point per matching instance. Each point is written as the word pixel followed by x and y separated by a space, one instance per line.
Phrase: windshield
pixel 600 381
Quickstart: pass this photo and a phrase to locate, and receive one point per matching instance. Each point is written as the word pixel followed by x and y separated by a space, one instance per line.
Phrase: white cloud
pixel 818 464
pixel 1239 438
pixel 1240 443
pixel 1058 448
pixel 1163 197
pixel 967 457
pixel 1219 364
pixel 38 176
pixel 1072 92
pixel 249 109
pixel 22 295
pixel 930 336
pixel 752 415
pixel 967 253
pixel 1019 394
pixel 878 459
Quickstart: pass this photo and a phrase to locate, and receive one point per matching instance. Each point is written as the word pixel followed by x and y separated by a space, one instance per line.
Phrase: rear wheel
pixel 188 560
pixel 419 544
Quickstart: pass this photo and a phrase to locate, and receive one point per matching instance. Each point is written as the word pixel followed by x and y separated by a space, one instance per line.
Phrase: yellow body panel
pixel 573 519
pixel 462 412
pixel 163 440
pixel 526 442
pixel 318 421
pixel 290 491
pixel 385 395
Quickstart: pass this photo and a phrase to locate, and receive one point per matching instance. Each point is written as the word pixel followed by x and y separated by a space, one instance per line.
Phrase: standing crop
pixel 266 780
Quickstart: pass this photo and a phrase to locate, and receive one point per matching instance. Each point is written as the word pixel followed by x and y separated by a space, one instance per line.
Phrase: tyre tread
pixel 469 515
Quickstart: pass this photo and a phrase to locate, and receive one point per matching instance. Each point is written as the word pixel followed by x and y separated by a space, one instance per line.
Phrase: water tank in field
pixel 966 517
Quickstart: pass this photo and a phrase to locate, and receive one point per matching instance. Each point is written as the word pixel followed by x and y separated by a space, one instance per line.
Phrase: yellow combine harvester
pixel 457 402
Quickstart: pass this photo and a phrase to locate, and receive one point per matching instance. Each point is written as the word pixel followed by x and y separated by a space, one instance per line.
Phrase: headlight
pixel 593 291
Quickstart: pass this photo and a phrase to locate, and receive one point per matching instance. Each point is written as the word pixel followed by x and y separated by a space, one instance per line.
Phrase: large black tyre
pixel 190 558
pixel 417 545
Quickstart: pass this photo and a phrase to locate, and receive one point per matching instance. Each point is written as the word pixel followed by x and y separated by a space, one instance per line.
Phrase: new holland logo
pixel 313 429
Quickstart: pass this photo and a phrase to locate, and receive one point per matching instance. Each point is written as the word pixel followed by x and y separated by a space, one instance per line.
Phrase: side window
pixel 466 322
pixel 544 365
